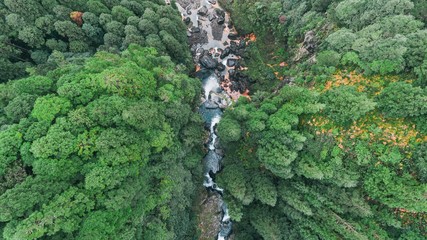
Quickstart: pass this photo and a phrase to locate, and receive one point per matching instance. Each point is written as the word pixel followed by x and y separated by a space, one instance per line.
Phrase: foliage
pixel 345 105
pixel 353 166
pixel 104 156
pixel 33 30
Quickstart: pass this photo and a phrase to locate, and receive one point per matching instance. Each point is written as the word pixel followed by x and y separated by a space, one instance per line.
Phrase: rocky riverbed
pixel 217 52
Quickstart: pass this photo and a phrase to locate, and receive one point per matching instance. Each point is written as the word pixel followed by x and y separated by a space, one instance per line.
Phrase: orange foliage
pixel 360 82
pixel 77 17
pixel 250 38
pixel 394 133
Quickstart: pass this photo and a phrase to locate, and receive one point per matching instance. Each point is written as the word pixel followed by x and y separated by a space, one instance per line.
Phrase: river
pixel 216 50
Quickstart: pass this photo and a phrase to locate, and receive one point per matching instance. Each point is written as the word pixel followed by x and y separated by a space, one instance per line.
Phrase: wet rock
pixel 226 228
pixel 208 62
pixel 187 20
pixel 233 47
pixel 203 11
pixel 233 36
pixel 209 218
pixel 231 72
pixel 220 20
pixel 211 105
pixel 225 53
pixel 231 62
pixel 220 67
pixel 194 29
pixel 200 51
pixel 212 162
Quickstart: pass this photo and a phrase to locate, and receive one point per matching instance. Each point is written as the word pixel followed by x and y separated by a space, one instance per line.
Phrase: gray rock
pixel 231 62
pixel 225 53
pixel 203 11
pixel 233 36
pixel 208 62
pixel 220 67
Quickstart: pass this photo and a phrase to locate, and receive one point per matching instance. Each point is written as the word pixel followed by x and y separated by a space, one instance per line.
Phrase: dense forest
pixel 341 153
pixel 100 136
pixel 99 139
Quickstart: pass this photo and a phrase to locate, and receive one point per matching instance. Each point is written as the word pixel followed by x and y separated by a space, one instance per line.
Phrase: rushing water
pixel 208 31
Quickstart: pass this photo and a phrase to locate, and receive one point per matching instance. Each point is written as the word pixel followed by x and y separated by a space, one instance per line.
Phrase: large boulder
pixel 208 62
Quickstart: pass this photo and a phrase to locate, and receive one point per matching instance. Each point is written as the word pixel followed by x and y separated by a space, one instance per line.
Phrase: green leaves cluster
pixel 284 182
pixel 105 155
pixel 37 33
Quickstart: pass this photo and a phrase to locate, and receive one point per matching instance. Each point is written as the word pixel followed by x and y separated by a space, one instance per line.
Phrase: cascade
pixel 213 44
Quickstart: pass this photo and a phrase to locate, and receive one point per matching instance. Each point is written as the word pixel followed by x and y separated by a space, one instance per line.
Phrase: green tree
pixel 345 105
pixel 401 99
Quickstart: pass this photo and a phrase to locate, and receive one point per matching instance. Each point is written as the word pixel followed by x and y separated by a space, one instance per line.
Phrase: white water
pixel 211 87
pixel 215 120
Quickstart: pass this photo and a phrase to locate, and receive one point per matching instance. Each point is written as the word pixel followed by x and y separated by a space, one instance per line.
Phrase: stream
pixel 216 50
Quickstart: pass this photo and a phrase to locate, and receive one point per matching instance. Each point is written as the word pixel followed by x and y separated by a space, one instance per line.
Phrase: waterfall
pixel 208 28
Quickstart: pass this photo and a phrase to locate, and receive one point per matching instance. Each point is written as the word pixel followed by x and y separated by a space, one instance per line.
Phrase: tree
pixel 93 150
pixel 31 36
pixel 229 130
pixel 48 107
pixel 345 105
pixel 401 99
pixel 121 14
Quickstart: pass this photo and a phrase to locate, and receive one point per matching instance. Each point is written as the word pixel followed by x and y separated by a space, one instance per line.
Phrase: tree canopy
pixel 93 151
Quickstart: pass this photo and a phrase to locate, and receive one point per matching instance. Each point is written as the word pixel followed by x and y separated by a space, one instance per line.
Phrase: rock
pixel 235 86
pixel 234 47
pixel 240 52
pixel 310 41
pixel 231 62
pixel 220 20
pixel 219 12
pixel 220 67
pixel 225 53
pixel 208 62
pixel 217 30
pixel 200 51
pixel 231 72
pixel 187 20
pixel 233 36
pixel 211 105
pixel 212 1
pixel 203 11
pixel 242 44
pixel 211 17
pixel 194 29
pixel 212 162
pixel 209 218
pixel 230 24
